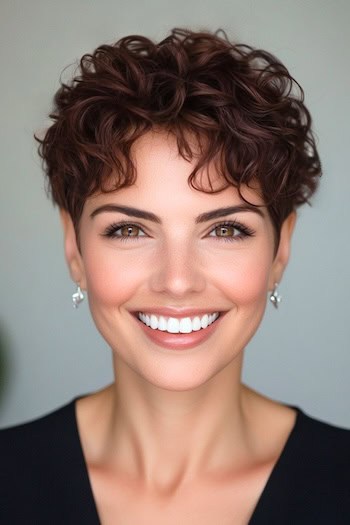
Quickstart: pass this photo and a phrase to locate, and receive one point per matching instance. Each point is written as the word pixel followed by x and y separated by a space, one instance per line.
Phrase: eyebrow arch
pixel 203 217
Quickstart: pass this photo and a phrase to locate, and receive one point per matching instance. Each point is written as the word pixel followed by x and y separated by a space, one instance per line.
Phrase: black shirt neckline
pixel 261 508
pixel 265 496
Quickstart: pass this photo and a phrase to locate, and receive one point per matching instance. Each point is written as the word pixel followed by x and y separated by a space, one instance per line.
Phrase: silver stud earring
pixel 77 297
pixel 275 297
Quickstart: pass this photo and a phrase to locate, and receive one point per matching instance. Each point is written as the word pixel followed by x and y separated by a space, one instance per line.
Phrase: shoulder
pixel 42 473
pixel 311 480
pixel 29 449
pixel 35 439
pixel 315 472
pixel 321 441
pixel 319 452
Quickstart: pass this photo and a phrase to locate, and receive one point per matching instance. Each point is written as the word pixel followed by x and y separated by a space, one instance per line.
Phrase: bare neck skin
pixel 168 440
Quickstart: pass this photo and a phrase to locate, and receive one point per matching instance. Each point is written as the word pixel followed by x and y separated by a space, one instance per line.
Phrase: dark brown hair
pixel 241 100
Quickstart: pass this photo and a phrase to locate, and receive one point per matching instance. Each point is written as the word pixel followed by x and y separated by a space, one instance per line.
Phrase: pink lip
pixel 179 341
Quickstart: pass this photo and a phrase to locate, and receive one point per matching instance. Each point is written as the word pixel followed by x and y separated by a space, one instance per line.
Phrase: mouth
pixel 174 325
pixel 171 338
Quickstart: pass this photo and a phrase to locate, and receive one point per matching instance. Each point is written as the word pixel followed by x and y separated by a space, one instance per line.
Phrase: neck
pixel 167 438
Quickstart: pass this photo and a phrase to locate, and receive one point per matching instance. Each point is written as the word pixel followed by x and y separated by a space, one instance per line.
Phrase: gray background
pixel 51 353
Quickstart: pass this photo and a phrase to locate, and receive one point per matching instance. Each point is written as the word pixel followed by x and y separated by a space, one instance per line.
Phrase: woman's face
pixel 181 259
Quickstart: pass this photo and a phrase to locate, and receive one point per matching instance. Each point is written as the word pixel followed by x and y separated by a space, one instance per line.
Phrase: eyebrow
pixel 203 217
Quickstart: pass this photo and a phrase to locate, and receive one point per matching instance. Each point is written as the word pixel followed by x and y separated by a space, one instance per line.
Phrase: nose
pixel 178 271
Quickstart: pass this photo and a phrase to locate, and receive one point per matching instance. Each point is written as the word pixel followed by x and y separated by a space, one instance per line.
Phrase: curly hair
pixel 241 100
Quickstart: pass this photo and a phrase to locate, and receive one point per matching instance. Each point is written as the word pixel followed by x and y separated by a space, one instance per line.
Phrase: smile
pixel 172 325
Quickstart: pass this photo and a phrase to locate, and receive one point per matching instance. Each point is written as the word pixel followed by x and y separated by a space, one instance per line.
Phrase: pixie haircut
pixel 244 109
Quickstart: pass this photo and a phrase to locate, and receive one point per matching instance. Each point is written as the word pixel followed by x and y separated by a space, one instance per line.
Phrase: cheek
pixel 246 277
pixel 110 277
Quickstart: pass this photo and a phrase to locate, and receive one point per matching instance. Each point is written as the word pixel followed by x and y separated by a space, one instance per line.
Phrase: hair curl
pixel 242 100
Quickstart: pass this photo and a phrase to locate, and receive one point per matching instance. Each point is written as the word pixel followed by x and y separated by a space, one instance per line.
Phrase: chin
pixel 188 375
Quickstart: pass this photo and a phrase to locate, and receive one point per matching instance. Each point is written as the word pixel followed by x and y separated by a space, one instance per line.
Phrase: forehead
pixel 162 178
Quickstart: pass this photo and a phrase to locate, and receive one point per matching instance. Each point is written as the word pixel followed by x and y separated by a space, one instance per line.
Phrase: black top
pixel 44 478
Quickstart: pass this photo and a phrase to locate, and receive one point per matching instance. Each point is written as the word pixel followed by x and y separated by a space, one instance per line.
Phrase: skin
pixel 176 422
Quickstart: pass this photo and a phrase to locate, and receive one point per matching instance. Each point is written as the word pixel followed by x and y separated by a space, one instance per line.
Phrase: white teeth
pixel 162 324
pixel 154 322
pixel 173 325
pixel 204 321
pixel 196 324
pixel 185 325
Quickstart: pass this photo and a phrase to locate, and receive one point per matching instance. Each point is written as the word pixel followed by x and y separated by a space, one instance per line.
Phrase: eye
pixel 123 231
pixel 231 231
pixel 227 231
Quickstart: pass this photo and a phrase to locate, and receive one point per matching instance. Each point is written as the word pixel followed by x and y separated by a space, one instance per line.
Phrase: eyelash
pixel 244 231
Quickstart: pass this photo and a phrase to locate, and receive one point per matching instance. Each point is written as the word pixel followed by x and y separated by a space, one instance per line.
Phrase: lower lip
pixel 179 341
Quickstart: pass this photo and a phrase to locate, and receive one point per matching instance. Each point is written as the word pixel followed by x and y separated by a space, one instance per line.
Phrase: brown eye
pixel 225 230
pixel 124 232
pixel 231 231
pixel 129 230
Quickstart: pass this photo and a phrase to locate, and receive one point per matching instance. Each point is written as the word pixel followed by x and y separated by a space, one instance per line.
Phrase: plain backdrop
pixel 49 352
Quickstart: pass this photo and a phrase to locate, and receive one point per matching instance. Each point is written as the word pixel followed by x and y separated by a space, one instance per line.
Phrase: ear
pixel 72 253
pixel 283 251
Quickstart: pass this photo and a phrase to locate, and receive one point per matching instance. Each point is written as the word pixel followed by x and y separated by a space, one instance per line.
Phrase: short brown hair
pixel 242 100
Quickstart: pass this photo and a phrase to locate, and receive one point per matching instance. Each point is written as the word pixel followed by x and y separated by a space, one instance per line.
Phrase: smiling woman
pixel 177 265
pixel 177 278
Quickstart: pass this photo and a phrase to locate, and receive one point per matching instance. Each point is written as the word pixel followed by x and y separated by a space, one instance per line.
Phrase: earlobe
pixel 72 253
pixel 283 252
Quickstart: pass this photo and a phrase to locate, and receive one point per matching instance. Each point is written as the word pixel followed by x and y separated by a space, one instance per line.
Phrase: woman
pixel 177 168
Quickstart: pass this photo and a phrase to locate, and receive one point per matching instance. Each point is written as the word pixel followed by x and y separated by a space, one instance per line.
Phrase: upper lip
pixel 167 311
